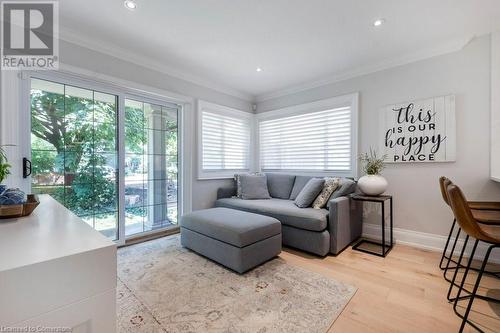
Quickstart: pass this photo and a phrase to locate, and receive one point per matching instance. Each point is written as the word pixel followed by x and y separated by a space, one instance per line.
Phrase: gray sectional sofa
pixel 319 231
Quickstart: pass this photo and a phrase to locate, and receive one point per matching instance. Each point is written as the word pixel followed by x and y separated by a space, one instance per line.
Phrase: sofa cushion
pixel 283 210
pixel 254 187
pixel 347 186
pixel 231 226
pixel 300 182
pixel 312 189
pixel 280 185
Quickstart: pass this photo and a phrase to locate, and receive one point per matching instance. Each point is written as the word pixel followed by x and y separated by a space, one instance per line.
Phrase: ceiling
pixel 294 41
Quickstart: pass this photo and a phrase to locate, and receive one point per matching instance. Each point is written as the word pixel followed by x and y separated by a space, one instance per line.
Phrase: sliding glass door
pixel 150 166
pixel 75 152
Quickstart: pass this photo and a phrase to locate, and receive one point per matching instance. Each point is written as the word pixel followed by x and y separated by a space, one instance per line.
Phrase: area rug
pixel 163 287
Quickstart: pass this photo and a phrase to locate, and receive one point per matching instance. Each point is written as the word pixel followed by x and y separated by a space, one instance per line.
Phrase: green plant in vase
pixel 372 183
pixel 4 168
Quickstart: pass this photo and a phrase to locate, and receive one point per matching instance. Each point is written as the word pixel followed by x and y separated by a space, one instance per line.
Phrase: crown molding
pixel 113 50
pixel 116 51
pixel 449 47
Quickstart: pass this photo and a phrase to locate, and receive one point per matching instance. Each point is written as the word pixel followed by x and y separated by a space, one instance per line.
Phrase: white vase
pixel 372 184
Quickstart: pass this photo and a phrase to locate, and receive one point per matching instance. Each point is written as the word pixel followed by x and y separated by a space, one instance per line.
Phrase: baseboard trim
pixel 428 241
pixel 150 236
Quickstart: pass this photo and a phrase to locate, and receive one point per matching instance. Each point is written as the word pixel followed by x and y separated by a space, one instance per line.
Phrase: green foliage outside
pixel 4 165
pixel 71 151
pixel 74 149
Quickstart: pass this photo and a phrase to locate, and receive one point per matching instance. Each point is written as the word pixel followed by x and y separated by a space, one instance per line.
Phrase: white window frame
pixel 230 112
pixel 349 100
pixel 123 89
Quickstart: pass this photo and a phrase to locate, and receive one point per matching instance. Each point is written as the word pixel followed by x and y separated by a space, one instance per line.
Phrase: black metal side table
pixel 383 245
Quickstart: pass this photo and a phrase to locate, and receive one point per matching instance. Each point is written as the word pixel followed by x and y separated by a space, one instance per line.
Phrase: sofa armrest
pixel 345 222
pixel 226 192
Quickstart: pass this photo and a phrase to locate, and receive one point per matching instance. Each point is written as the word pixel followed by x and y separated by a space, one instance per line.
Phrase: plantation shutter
pixel 312 141
pixel 225 142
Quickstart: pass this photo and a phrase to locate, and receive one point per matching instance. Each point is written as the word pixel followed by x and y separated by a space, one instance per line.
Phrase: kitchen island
pixel 56 271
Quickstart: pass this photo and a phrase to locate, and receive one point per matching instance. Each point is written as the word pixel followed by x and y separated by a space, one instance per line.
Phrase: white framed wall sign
pixel 419 131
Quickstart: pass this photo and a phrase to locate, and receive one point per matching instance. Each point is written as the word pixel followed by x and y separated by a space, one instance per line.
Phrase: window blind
pixel 225 142
pixel 312 141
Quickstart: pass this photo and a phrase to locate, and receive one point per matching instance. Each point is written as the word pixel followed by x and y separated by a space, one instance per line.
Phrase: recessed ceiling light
pixel 258 69
pixel 130 4
pixel 378 22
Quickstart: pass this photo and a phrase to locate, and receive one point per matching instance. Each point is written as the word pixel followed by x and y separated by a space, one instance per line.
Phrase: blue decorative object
pixel 12 196
pixel 2 188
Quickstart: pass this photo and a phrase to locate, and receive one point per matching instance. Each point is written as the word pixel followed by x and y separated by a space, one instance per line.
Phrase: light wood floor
pixel 404 292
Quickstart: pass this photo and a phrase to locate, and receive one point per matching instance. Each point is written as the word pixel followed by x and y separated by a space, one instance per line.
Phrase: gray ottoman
pixel 236 239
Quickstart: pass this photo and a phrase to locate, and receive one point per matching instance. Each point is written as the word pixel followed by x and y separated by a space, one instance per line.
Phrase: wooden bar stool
pixel 443 183
pixel 489 234
pixel 481 211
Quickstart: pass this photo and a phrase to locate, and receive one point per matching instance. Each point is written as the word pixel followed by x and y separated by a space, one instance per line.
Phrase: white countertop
pixel 50 232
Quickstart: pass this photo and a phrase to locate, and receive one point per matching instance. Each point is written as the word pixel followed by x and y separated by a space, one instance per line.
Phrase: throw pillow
pixel 280 185
pixel 310 191
pixel 331 184
pixel 238 182
pixel 347 186
pixel 300 182
pixel 254 187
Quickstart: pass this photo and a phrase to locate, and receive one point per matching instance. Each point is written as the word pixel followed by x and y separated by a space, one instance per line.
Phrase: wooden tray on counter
pixel 11 211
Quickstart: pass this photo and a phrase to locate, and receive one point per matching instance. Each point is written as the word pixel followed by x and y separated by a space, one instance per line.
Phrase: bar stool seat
pixel 488 205
pixel 490 217
pixel 490 233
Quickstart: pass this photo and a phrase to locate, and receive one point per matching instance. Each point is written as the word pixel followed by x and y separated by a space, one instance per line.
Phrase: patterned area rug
pixel 163 287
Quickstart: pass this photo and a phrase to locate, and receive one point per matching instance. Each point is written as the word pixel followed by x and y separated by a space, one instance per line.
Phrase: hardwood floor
pixel 404 292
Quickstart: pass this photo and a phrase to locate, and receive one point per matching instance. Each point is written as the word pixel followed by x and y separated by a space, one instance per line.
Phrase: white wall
pixel 203 192
pixel 417 200
pixel 495 106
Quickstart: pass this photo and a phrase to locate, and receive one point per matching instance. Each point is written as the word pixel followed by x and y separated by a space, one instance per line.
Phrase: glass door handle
pixel 26 167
